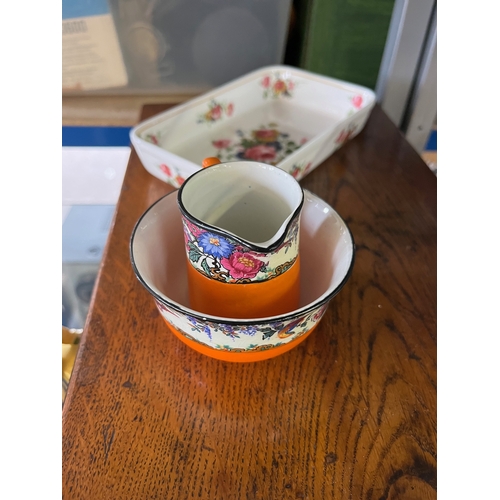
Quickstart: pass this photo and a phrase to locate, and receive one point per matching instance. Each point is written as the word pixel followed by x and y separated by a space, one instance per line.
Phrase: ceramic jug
pixel 241 230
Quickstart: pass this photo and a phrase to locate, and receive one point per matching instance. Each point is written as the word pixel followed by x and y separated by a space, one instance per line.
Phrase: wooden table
pixel 349 413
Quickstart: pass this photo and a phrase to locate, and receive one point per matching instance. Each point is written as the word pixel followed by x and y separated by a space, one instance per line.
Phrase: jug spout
pixel 250 202
pixel 278 238
pixel 256 218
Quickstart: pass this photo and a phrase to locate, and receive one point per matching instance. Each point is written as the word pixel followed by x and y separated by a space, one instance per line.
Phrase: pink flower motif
pixel 242 265
pixel 308 166
pixel 265 82
pixel 303 140
pixel 221 143
pixel 344 136
pixel 165 170
pixel 260 152
pixel 230 109
pixel 216 112
pixel 319 313
pixel 357 101
pixel 279 86
pixel 291 85
pixel 179 179
pixel 194 230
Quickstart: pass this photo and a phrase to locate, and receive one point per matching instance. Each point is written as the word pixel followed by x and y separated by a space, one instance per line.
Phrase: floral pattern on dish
pixel 348 133
pixel 216 111
pixel 226 260
pixel 266 144
pixel 357 101
pixel 173 175
pixel 153 138
pixel 300 169
pixel 276 86
pixel 249 337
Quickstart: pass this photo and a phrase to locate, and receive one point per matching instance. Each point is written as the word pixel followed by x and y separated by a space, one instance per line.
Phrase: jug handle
pixel 208 162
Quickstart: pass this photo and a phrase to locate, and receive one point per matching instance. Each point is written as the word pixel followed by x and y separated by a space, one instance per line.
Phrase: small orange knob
pixel 208 162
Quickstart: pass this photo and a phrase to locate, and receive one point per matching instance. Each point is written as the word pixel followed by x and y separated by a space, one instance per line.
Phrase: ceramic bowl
pixel 159 262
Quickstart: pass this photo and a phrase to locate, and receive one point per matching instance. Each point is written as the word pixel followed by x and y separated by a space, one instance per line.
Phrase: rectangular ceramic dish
pixel 279 115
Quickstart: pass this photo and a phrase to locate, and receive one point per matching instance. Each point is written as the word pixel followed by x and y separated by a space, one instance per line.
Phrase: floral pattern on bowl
pixel 273 334
pixel 216 111
pixel 266 144
pixel 277 85
pixel 223 259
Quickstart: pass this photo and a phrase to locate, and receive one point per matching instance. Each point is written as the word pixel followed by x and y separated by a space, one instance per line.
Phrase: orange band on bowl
pixel 239 357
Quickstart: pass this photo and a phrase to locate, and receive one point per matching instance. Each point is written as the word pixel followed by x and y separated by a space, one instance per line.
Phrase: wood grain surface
pixel 348 414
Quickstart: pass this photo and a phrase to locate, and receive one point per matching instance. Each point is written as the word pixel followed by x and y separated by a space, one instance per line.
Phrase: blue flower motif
pixel 192 320
pixel 215 245
pixel 250 330
pixel 206 329
pixel 229 331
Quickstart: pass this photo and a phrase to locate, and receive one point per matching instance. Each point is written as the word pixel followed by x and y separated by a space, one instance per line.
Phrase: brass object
pixel 70 343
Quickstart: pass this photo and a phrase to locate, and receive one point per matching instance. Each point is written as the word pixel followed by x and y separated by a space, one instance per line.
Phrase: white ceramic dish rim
pixel 321 300
pixel 238 82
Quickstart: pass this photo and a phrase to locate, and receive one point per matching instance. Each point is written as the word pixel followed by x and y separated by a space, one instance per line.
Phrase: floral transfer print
pixel 172 174
pixel 216 111
pixel 352 128
pixel 266 144
pixel 346 134
pixel 357 104
pixel 215 245
pixel 242 265
pixel 244 337
pixel 276 86
pixel 300 169
pixel 152 138
pixel 357 101
pixel 226 260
